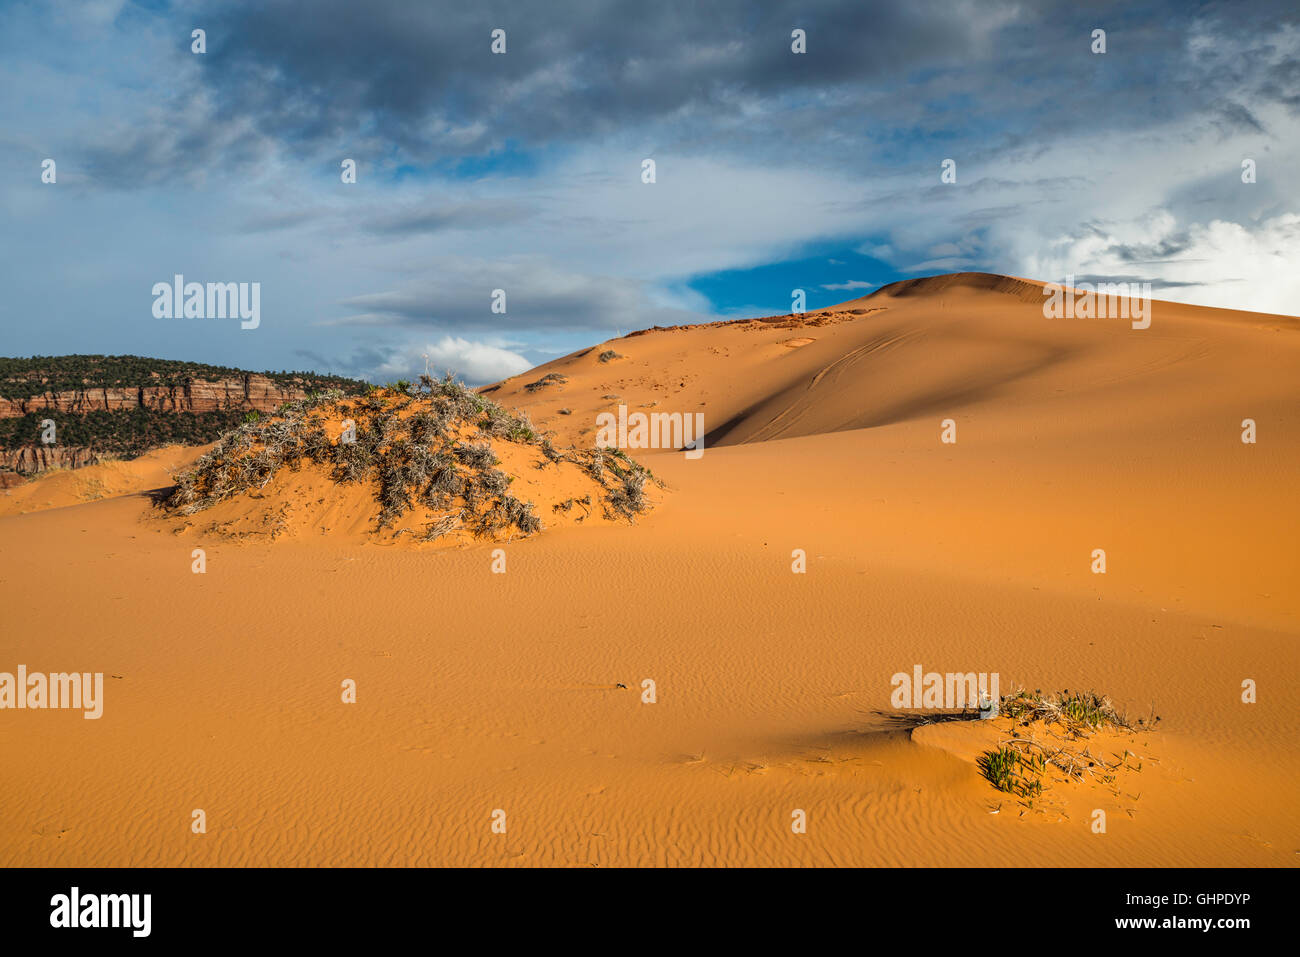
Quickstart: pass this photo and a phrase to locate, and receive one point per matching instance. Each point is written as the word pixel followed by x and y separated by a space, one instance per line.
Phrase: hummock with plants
pixel 432 460
pixel 1048 740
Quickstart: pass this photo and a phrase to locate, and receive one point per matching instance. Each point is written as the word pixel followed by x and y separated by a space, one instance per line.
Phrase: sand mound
pixel 1041 771
pixel 435 462
pixel 59 488
pixel 1036 742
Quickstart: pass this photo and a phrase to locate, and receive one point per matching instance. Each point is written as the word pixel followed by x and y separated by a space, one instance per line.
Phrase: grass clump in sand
pixel 1076 711
pixel 1013 772
pixel 551 378
pixel 427 445
pixel 1049 741
pixel 625 496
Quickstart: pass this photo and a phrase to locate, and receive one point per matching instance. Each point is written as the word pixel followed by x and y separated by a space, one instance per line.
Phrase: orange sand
pixel 61 487
pixel 481 691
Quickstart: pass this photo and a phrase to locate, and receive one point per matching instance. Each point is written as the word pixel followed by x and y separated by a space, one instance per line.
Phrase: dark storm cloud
pixel 311 71
pixel 419 78
pixel 1158 284
pixel 435 217
pixel 1281 82
pixel 1163 251
pixel 415 84
pixel 394 218
pixel 1234 118
pixel 539 297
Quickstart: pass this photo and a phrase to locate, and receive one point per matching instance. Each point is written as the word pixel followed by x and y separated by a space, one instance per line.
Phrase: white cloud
pixel 475 362
pixel 1219 263
pixel 941 265
pixel 851 284
pixel 539 295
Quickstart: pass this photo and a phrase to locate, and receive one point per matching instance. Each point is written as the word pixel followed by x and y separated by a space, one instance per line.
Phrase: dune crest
pixel 1026 290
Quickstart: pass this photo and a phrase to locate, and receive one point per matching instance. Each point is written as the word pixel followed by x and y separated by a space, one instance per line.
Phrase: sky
pixel 522 171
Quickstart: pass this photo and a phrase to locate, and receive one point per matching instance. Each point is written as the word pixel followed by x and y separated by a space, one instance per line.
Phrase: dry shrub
pixel 421 459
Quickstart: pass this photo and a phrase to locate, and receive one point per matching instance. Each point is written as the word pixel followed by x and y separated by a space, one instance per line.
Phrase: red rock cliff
pixel 237 392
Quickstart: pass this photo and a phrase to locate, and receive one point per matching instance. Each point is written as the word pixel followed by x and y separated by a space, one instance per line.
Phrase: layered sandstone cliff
pixel 249 391
pixel 180 396
pixel 37 458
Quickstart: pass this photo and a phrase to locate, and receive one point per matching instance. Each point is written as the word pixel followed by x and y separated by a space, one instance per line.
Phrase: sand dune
pixel 479 691
pixel 925 348
pixel 63 487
